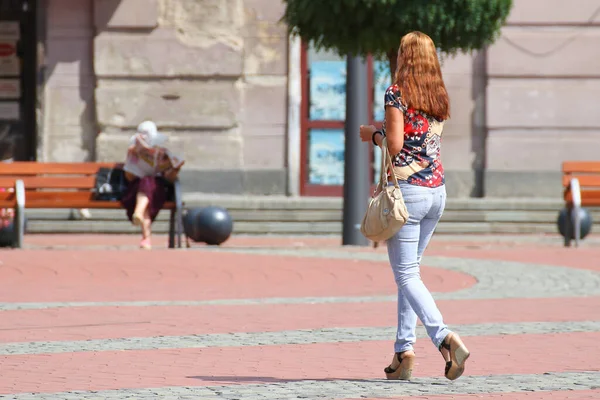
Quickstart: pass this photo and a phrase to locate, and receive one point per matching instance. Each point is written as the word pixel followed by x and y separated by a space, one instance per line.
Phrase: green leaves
pixel 363 27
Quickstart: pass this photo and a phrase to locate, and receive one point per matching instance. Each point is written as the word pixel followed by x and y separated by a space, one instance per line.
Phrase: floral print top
pixel 418 162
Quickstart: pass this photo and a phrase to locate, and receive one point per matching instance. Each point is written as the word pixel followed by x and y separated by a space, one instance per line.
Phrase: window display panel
pixel 327 86
pixel 326 157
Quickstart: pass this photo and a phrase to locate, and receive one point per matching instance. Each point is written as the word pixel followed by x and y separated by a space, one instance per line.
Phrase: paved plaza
pixel 92 317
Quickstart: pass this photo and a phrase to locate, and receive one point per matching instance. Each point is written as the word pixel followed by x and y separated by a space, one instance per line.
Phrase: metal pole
pixel 356 156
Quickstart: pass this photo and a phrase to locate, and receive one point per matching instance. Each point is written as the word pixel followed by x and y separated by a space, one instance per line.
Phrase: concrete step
pixel 317 215
pixel 287 228
pixel 336 203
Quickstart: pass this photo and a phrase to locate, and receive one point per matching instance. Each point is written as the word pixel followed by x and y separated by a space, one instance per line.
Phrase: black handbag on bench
pixel 110 184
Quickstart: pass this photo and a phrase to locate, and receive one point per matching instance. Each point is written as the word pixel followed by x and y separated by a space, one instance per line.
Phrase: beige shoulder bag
pixel 386 212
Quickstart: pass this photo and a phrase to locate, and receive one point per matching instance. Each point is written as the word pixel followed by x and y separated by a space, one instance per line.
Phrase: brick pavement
pixel 290 318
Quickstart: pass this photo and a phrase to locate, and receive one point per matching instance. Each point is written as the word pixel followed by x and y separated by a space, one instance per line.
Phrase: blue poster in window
pixel 381 81
pixel 328 90
pixel 326 157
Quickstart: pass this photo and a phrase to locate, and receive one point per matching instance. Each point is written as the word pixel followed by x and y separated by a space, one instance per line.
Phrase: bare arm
pixel 394 130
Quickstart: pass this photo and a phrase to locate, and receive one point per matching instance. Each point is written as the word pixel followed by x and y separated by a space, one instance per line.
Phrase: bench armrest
pixel 575 218
pixel 178 210
pixel 575 190
pixel 19 221
pixel 177 193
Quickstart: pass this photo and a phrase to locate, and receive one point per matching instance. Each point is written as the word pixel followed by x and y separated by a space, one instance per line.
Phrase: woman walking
pixel 416 108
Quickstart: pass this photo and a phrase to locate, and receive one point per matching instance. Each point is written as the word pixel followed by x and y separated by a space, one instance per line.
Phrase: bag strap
pixel 386 162
pixel 382 168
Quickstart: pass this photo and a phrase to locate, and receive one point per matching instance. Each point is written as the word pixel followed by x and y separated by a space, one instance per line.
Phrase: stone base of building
pixel 459 184
pixel 254 182
pixel 524 184
pixel 504 184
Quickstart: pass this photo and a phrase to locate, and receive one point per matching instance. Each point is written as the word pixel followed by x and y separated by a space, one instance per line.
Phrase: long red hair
pixel 419 76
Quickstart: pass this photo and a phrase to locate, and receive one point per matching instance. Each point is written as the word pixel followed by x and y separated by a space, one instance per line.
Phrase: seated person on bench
pixel 146 165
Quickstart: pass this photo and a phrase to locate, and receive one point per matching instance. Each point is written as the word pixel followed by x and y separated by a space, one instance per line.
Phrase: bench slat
pixel 50 182
pixel 58 197
pixel 40 204
pixel 584 180
pixel 34 168
pixel 7 200
pixel 588 197
pixel 84 204
pixel 62 200
pixel 570 167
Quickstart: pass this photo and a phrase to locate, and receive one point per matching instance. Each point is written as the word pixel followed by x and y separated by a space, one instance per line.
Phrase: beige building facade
pixel 211 73
pixel 236 95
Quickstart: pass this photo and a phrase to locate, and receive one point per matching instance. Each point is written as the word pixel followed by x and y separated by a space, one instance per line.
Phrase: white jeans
pixel 405 249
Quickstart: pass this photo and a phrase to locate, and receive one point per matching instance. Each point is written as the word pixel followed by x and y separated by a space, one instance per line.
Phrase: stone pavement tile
pixel 278 338
pixel 83 323
pixel 520 310
pixel 581 258
pixel 542 395
pixel 507 241
pixel 491 355
pixel 335 389
pixel 109 276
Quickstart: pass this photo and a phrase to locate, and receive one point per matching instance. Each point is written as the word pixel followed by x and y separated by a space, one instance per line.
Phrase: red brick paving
pixel 82 323
pixel 41 276
pixel 160 241
pixel 515 354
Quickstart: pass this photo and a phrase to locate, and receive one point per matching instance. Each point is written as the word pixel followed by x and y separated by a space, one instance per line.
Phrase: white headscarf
pixel 149 132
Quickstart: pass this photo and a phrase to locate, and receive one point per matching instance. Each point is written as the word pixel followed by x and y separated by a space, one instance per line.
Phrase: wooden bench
pixel 66 185
pixel 581 180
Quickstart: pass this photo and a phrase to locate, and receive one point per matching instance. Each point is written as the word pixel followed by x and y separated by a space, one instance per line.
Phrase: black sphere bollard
pixel 567 227
pixel 189 224
pixel 211 225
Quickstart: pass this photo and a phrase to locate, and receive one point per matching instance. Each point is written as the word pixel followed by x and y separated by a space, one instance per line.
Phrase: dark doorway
pixel 18 75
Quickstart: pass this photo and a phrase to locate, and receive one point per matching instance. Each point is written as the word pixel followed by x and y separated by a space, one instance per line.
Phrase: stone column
pixel 69 128
pixel 264 119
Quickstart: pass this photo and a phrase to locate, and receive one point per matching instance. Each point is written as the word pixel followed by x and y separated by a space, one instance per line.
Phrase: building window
pixel 323 117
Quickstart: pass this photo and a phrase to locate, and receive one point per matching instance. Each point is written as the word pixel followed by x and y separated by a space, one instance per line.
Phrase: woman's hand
pixel 366 132
pixel 171 173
